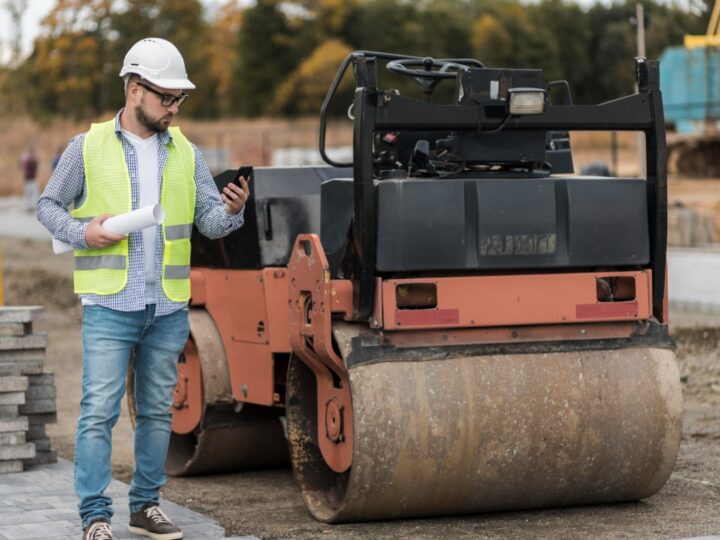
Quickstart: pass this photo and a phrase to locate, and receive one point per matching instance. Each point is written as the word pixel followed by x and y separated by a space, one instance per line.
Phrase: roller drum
pixel 253 439
pixel 497 432
pixel 225 436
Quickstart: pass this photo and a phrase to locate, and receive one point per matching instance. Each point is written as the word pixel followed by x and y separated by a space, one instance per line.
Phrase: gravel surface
pixel 268 504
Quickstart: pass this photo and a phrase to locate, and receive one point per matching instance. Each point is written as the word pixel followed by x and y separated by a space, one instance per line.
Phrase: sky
pixel 37 9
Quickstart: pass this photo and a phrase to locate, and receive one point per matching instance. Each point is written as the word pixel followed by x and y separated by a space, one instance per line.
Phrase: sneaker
pixel 152 522
pixel 98 530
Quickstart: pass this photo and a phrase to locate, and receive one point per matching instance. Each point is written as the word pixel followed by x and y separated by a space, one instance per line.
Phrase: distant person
pixel 134 289
pixel 29 167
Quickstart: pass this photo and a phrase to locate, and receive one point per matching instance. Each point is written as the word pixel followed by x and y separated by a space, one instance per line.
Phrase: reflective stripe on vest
pixel 177 197
pixel 93 262
pixel 177 232
pixel 177 272
pixel 108 189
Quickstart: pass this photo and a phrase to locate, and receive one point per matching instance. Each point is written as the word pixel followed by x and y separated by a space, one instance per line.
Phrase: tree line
pixel 278 57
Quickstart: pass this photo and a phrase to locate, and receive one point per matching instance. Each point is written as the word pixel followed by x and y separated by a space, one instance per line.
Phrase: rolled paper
pixel 130 222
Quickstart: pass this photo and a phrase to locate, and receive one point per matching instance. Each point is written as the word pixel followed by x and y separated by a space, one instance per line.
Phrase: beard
pixel 151 124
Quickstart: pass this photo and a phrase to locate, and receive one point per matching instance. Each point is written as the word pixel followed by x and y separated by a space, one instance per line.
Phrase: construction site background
pixel 277 58
pixel 694 205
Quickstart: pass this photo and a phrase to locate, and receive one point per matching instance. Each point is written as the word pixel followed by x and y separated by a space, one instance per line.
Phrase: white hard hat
pixel 158 61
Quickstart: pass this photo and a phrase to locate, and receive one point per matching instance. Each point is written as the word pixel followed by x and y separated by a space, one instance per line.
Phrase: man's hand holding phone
pixel 236 193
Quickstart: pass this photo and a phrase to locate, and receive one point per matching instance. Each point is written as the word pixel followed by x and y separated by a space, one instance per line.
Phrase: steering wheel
pixel 421 69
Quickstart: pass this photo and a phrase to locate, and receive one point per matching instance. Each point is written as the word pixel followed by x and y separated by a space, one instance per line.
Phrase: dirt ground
pixel 268 504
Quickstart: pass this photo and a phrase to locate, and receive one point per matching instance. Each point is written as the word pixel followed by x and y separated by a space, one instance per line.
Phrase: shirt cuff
pixel 76 233
pixel 237 220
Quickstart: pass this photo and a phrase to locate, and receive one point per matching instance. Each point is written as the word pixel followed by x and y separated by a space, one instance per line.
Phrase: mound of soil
pixel 36 286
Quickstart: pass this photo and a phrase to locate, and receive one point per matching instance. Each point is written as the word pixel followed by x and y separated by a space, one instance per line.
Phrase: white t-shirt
pixel 146 151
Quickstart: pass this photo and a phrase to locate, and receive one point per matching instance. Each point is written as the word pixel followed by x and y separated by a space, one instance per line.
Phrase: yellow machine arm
pixel 711 37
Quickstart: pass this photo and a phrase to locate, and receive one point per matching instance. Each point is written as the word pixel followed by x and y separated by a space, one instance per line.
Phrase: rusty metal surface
pixel 235 299
pixel 213 362
pixel 188 402
pixel 197 287
pixel 477 434
pixel 244 440
pixel 512 300
pixel 225 440
pixel 312 300
pixel 515 334
pixel 276 306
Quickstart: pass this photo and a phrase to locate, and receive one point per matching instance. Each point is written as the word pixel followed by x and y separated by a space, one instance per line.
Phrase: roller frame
pixel 392 372
pixel 312 300
pixel 210 434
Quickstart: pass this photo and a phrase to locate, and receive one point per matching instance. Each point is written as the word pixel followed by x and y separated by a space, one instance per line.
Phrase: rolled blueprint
pixel 131 222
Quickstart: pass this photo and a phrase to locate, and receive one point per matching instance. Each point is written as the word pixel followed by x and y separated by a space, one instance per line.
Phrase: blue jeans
pixel 108 338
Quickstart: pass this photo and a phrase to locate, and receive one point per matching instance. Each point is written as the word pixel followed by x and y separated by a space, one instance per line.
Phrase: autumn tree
pixel 12 81
pixel 15 9
pixel 510 36
pixel 70 58
pixel 268 53
pixel 279 55
pixel 182 22
pixel 386 25
pixel 323 19
pixel 304 91
pixel 569 30
pixel 224 53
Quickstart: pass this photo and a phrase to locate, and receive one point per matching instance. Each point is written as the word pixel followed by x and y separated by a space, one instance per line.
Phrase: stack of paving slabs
pixel 27 395
pixel 13 427
pixel 40 408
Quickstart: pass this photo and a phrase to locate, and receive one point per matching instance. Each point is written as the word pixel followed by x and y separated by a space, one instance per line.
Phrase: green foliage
pixel 224 54
pixel 182 23
pixel 269 51
pixel 278 56
pixel 565 24
pixel 305 89
pixel 386 25
pixel 513 38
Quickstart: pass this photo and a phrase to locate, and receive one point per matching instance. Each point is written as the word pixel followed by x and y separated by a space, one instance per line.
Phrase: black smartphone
pixel 246 171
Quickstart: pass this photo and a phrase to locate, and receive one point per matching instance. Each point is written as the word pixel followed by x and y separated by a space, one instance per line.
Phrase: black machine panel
pixel 488 86
pixel 450 224
pixel 506 223
pixel 284 202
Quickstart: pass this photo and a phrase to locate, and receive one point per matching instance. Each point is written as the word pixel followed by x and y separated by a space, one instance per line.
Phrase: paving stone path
pixel 40 504
pixel 694 280
pixel 16 222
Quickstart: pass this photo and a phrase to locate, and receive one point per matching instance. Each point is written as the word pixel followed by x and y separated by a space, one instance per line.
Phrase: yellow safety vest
pixel 107 185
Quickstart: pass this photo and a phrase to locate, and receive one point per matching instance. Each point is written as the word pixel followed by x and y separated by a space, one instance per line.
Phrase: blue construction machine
pixel 690 84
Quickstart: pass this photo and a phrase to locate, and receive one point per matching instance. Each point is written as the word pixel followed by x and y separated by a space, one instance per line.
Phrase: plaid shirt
pixel 67 186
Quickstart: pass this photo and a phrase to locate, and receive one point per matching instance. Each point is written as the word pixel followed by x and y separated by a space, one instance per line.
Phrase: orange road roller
pixel 453 322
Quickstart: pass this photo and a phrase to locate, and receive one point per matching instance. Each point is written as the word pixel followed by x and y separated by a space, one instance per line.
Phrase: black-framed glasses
pixel 166 100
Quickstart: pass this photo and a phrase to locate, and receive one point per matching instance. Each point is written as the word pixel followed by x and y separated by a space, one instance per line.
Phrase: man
pixel 134 289
pixel 29 166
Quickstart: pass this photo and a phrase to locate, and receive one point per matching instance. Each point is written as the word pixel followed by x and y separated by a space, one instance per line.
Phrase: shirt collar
pixel 164 136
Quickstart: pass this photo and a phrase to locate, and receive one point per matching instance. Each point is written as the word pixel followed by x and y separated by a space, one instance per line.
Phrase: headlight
pixel 526 101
